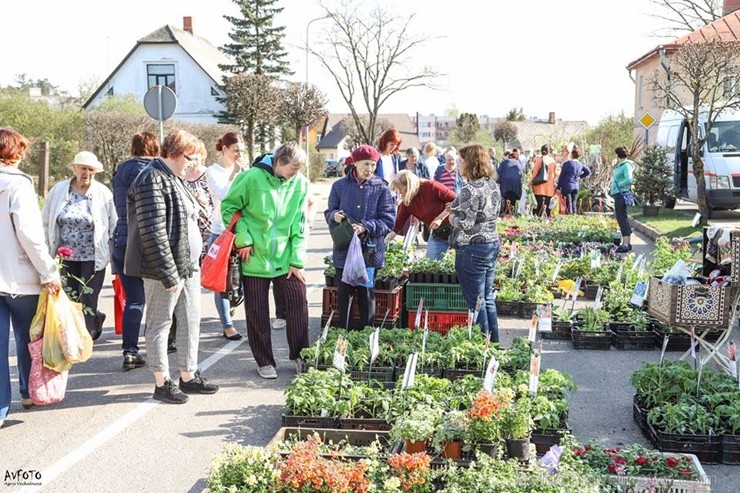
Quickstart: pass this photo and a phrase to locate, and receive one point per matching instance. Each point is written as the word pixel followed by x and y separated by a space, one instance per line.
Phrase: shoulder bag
pixel 215 268
pixel 542 175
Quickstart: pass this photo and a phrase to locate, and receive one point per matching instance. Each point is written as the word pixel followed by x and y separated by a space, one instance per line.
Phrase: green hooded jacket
pixel 272 221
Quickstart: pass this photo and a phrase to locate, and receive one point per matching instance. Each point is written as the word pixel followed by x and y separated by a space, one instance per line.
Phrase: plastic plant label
pixel 544 318
pixel 663 349
pixel 340 353
pixel 490 378
pixel 638 294
pixel 557 271
pixel 534 370
pixel 696 219
pixel 410 371
pixel 619 271
pixel 595 259
pixel 693 346
pixel 637 261
pixel 325 332
pixel 532 336
pixel 374 345
pixel 417 322
pixel 597 300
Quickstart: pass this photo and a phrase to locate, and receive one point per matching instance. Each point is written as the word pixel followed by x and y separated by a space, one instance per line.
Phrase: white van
pixel 720 153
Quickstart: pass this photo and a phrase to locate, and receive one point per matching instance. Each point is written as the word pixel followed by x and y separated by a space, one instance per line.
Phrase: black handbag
pixel 542 175
pixel 234 292
pixel 341 233
pixel 443 232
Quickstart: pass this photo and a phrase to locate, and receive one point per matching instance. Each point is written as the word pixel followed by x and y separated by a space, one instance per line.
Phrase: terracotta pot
pixel 452 450
pixel 413 447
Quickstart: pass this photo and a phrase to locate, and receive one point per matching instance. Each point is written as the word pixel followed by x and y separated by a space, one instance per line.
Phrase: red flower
pixel 672 462
pixel 686 471
pixel 579 451
pixel 641 461
pixel 65 252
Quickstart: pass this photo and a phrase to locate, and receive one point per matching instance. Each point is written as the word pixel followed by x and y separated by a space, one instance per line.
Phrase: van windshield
pixel 725 136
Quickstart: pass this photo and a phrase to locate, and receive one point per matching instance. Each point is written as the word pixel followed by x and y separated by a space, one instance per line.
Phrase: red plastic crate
pixel 384 300
pixel 441 322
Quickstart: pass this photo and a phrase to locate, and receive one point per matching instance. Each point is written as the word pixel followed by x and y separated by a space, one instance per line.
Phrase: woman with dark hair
pixel 621 182
pixel 389 160
pixel 572 172
pixel 474 214
pixel 544 192
pixel 144 148
pixel 220 176
pixel 25 265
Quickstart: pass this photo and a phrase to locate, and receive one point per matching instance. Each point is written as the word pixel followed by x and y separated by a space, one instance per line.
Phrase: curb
pixel 643 228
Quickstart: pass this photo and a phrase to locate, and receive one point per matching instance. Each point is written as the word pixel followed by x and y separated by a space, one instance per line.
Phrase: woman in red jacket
pixel 427 200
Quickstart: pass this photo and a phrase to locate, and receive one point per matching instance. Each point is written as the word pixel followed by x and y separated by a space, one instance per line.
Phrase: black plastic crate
pixel 507 308
pixel 639 414
pixel 544 439
pixel 633 340
pixel 356 438
pixel 731 449
pixel 707 448
pixel 676 341
pixel 458 373
pixel 364 424
pixel 526 309
pixel 324 422
pixel 589 339
pixel 379 373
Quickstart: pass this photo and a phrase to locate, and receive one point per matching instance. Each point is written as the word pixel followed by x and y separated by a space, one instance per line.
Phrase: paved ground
pixel 108 436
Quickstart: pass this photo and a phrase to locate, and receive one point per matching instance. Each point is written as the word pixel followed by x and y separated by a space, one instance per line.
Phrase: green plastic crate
pixel 447 297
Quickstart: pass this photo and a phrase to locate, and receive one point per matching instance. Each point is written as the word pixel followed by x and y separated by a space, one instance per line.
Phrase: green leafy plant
pixel 417 426
pixel 452 427
pixel 517 419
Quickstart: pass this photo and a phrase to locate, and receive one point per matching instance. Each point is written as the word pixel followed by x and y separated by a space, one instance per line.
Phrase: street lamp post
pixel 308 154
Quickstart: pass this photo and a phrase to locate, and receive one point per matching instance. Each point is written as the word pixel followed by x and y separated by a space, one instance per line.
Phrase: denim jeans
pixel 19 309
pixel 620 213
pixel 133 310
pixel 475 265
pixel 436 247
pixel 223 306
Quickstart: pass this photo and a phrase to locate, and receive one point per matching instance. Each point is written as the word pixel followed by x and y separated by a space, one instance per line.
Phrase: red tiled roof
pixel 725 28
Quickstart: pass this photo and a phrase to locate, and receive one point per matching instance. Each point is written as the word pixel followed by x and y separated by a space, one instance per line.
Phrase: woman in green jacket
pixel 271 240
pixel 622 182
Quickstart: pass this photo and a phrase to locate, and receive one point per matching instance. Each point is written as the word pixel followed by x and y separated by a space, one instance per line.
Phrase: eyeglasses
pixel 189 158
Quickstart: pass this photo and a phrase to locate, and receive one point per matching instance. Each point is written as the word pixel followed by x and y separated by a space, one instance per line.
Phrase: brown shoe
pixel 27 403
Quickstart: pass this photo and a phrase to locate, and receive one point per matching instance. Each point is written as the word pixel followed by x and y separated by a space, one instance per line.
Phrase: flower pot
pixel 518 449
pixel 488 448
pixel 330 281
pixel 413 446
pixel 452 450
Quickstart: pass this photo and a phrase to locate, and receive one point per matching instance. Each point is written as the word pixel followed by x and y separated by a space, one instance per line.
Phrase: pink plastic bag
pixel 45 386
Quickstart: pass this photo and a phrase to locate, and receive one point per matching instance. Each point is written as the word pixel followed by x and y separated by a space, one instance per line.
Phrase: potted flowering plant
pixel 416 428
pixel 484 420
pixel 517 428
pixel 409 473
pixel 450 433
pixel 239 468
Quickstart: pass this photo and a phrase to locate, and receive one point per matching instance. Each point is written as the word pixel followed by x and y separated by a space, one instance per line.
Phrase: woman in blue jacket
pixel 365 199
pixel 572 172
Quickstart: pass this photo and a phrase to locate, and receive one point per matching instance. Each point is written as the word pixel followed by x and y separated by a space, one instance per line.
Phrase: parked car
pixel 331 168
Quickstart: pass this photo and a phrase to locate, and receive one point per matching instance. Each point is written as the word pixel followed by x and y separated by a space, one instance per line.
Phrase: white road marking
pixel 61 466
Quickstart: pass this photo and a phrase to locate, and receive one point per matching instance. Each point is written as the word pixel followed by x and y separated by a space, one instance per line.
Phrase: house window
pixel 214 92
pixel 161 75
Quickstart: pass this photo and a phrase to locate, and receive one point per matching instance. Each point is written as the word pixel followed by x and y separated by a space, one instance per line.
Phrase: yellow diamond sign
pixel 647 119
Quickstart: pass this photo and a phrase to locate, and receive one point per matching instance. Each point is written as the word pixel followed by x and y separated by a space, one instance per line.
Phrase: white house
pixel 177 58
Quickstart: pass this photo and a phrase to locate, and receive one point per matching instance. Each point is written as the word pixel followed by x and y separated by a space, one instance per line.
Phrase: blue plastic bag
pixel 354 272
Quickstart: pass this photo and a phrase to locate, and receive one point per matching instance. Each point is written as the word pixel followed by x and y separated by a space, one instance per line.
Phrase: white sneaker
pixel 267 372
pixel 279 324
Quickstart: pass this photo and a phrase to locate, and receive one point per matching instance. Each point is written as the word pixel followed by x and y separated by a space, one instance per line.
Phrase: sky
pixel 566 56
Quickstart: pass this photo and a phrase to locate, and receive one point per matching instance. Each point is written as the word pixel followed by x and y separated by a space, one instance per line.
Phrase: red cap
pixel 365 152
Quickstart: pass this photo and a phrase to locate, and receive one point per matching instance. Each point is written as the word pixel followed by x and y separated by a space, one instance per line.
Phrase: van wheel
pixel 669 203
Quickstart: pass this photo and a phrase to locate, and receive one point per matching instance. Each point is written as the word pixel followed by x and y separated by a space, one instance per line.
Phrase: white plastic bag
pixel 354 272
pixel 678 274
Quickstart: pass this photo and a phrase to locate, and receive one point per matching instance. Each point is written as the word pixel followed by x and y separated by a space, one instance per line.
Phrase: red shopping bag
pixel 215 267
pixel 119 302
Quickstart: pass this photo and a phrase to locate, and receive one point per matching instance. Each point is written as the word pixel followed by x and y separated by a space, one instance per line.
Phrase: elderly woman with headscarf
pixel 365 200
pixel 79 214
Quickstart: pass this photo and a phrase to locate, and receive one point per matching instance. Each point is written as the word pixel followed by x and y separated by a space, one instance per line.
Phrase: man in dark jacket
pixel 413 164
pixel 163 248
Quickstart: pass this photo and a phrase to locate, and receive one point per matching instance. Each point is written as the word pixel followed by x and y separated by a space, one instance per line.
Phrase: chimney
pixel 551 118
pixel 187 24
pixel 729 6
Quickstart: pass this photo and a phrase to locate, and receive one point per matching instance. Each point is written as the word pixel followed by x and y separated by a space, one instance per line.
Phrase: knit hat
pixel 365 152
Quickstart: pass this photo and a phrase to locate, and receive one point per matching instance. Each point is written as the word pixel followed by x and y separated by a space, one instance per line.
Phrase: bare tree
pixel 701 81
pixel 251 99
pixel 505 132
pixel 354 132
pixel 685 16
pixel 109 134
pixel 303 106
pixel 370 57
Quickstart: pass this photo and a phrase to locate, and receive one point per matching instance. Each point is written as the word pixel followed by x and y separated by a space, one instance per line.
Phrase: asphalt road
pixel 109 436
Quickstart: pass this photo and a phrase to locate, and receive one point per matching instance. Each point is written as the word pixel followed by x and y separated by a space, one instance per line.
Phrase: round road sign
pixel 160 102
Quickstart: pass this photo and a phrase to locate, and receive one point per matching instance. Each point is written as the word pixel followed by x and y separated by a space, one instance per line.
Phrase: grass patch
pixel 670 223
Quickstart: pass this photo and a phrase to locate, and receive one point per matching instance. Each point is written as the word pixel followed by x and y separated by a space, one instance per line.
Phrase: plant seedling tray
pixel 592 339
pixel 708 448
pixel 633 340
pixel 324 422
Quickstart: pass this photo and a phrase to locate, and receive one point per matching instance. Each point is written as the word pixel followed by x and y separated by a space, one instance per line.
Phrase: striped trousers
pixel 257 313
